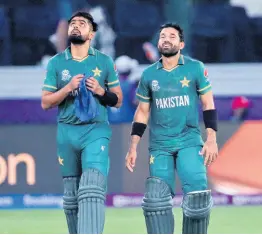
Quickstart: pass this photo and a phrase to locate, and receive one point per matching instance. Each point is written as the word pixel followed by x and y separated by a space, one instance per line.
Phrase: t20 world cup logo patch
pixel 66 75
pixel 155 86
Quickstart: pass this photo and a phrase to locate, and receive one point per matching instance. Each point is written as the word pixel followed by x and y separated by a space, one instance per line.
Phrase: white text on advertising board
pixel 8 168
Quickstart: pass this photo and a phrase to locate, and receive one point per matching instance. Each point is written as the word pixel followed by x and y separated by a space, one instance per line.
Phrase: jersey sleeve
pixel 143 91
pixel 50 82
pixel 112 76
pixel 203 84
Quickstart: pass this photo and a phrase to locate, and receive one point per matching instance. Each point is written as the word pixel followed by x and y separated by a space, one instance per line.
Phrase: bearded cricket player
pixel 169 93
pixel 82 143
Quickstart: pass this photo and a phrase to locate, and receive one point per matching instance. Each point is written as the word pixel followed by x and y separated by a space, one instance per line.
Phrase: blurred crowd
pixel 216 31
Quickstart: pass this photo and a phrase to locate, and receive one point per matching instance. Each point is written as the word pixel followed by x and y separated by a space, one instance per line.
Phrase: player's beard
pixel 76 39
pixel 168 52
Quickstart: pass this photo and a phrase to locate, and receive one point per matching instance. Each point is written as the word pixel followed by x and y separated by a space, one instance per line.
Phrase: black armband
pixel 210 119
pixel 138 128
pixel 108 99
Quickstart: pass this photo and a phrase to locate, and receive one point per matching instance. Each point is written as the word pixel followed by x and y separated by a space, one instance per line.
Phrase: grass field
pixel 223 220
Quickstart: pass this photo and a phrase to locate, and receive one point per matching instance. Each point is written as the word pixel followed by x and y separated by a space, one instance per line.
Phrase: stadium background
pixel 225 35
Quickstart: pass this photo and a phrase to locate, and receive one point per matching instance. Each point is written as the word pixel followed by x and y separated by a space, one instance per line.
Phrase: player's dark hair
pixel 174 26
pixel 87 16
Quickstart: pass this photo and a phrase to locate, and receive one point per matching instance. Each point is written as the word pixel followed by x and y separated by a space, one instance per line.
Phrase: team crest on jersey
pixel 115 68
pixel 65 75
pixel 206 75
pixel 155 86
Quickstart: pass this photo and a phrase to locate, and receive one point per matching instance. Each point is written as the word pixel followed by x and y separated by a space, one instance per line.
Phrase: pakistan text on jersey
pixel 171 102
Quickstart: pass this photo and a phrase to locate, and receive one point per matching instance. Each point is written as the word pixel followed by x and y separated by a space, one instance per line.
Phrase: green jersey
pixel 174 99
pixel 62 68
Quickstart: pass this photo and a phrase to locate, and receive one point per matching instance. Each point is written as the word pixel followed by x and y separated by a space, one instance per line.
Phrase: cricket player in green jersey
pixel 169 93
pixel 82 144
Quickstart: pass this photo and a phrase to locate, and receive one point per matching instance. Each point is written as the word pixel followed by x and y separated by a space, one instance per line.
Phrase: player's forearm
pixel 119 101
pixel 211 135
pixel 207 102
pixel 118 92
pixel 141 117
pixel 54 99
pixel 111 98
pixel 210 120
pixel 208 106
pixel 134 142
pixel 209 116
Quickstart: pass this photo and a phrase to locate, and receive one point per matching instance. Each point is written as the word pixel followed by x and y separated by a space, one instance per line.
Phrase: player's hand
pixel 75 81
pixel 131 160
pixel 93 85
pixel 210 152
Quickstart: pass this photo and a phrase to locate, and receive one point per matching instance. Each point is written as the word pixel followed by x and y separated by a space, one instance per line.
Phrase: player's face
pixel 169 43
pixel 80 31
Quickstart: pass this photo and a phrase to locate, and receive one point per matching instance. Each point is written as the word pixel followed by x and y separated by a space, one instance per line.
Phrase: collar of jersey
pixel 68 54
pixel 181 61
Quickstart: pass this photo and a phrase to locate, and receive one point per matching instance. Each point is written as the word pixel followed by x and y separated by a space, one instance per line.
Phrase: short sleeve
pixel 203 83
pixel 143 92
pixel 50 82
pixel 112 77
